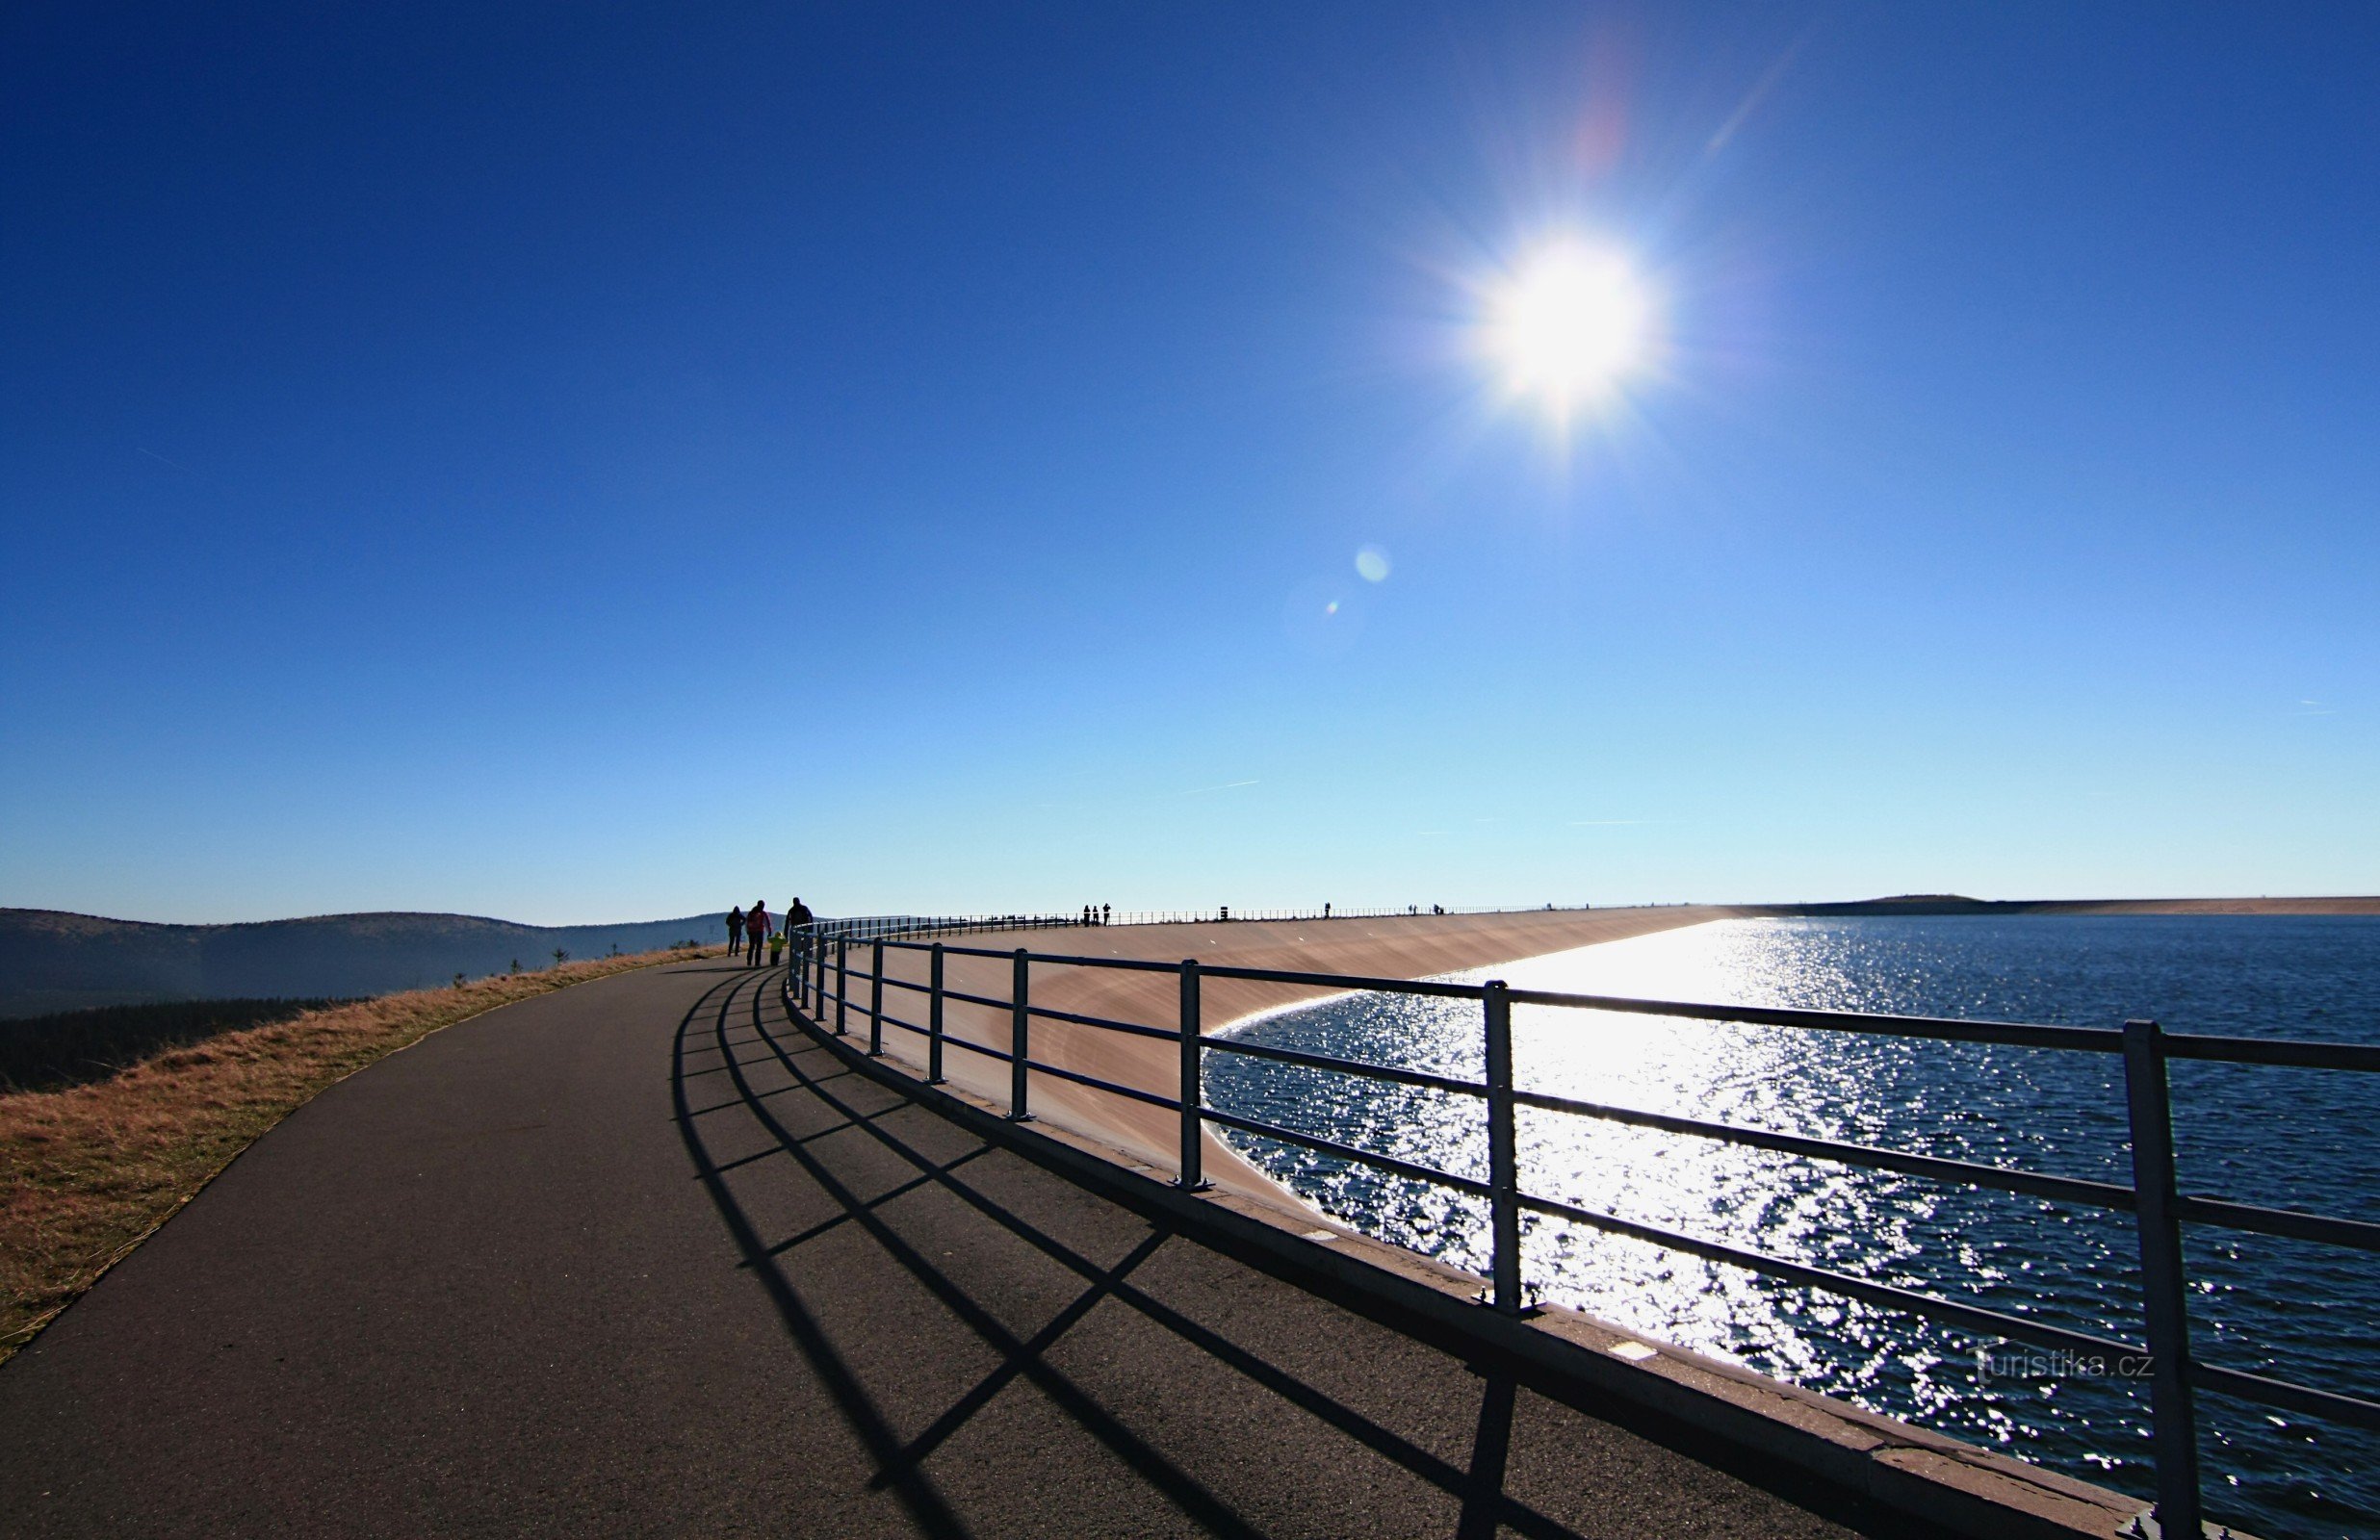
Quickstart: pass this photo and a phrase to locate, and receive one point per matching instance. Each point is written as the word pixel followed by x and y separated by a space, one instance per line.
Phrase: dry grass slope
pixel 89 1171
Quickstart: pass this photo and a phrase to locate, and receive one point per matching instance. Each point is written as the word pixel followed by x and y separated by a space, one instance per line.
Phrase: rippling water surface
pixel 2293 1138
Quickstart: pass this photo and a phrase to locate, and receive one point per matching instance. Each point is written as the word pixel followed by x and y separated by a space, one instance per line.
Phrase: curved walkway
pixel 637 1258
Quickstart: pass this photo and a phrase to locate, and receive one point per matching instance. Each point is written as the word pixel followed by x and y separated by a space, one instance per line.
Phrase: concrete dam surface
pixel 1401 946
pixel 647 1256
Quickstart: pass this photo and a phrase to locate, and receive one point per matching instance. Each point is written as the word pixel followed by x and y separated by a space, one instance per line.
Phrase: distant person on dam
pixel 756 927
pixel 735 931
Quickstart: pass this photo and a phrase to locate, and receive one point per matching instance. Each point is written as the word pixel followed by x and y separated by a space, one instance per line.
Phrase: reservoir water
pixel 2287 1138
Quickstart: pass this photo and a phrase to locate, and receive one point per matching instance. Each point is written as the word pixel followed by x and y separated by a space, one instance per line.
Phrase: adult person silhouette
pixel 796 915
pixel 756 927
pixel 735 930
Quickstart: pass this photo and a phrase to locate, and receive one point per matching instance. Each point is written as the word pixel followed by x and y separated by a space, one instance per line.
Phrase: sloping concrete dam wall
pixel 1401 946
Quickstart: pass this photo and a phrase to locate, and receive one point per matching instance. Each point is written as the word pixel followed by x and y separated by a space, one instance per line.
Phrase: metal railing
pixel 2166 1360
pixel 867 927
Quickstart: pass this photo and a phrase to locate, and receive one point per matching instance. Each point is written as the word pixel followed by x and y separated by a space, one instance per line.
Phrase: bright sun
pixel 1569 323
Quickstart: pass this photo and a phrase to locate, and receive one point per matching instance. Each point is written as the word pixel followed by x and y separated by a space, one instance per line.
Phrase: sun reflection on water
pixel 2036 1109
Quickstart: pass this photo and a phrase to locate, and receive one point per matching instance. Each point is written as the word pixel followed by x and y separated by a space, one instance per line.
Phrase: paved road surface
pixel 633 1259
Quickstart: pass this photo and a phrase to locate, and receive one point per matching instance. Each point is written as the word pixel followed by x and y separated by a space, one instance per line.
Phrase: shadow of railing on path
pixel 1476 1487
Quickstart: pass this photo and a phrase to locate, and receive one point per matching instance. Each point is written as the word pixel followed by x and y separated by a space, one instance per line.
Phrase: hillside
pixel 51 962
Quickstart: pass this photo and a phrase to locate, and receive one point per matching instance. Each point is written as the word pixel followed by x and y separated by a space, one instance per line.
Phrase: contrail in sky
pixel 1753 98
pixel 162 460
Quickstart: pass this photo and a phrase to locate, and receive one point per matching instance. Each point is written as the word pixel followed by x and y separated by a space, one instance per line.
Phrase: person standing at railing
pixel 735 931
pixel 756 929
pixel 795 919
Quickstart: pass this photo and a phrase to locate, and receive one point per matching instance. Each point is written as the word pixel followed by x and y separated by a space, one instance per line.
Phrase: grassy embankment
pixel 74 1048
pixel 89 1171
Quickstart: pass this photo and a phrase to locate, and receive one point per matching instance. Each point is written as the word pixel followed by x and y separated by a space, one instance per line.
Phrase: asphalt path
pixel 636 1258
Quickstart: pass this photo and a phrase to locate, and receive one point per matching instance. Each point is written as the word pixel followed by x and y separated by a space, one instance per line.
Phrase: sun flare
pixel 1568 325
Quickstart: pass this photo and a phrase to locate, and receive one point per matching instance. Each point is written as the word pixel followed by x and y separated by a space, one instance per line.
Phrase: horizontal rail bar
pixel 2013 1033
pixel 1349 1152
pixel 2289 1052
pixel 2354 1410
pixel 953 1040
pixel 1344 982
pixel 1348 983
pixel 2063 1188
pixel 891 944
pixel 1109 1086
pixel 955 951
pixel 1132 1029
pixel 1120 964
pixel 2290 1223
pixel 892 1020
pixel 1973 1318
pixel 1352 1066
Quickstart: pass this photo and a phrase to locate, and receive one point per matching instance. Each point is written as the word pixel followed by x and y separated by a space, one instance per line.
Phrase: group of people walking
pixel 753 928
pixel 1096 913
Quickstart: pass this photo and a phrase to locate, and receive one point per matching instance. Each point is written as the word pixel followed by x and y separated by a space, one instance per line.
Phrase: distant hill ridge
pixel 1960 903
pixel 53 961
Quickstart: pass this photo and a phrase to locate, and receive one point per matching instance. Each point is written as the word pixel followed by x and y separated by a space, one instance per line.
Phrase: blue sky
pixel 583 467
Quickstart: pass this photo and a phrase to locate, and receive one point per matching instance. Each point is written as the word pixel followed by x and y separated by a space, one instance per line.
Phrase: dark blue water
pixel 2293 1138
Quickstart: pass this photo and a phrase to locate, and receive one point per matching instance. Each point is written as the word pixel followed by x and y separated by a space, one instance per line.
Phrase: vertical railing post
pixel 2164 1288
pixel 934 1020
pixel 843 984
pixel 1502 1154
pixel 1193 1094
pixel 1019 1017
pixel 875 1000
